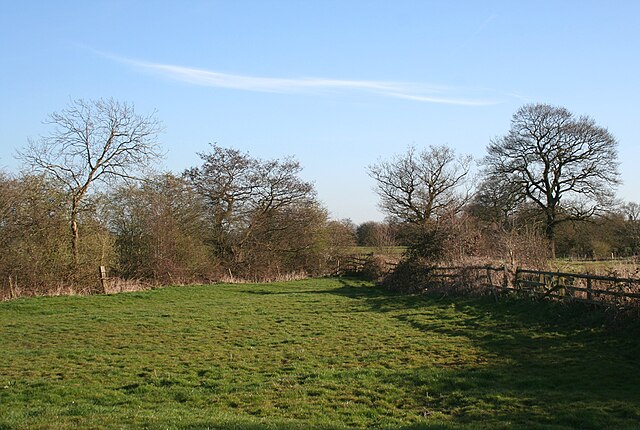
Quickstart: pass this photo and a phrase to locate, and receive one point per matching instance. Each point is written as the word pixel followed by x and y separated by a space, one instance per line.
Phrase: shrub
pixel 412 275
pixel 375 268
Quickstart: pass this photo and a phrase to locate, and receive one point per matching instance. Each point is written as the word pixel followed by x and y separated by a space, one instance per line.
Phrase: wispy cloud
pixel 211 78
pixel 474 35
pixel 485 23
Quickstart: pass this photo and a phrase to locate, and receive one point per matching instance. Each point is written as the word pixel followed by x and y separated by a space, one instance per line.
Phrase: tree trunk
pixel 74 236
pixel 550 232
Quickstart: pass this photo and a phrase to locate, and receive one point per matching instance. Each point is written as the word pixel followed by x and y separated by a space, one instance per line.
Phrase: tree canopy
pixel 93 141
pixel 566 165
pixel 418 186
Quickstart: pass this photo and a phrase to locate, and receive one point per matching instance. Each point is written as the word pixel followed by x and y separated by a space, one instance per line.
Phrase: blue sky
pixel 339 84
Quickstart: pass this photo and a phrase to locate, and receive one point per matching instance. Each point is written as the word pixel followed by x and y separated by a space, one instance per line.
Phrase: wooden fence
pixel 577 287
pixel 593 289
pixel 586 288
pixel 350 265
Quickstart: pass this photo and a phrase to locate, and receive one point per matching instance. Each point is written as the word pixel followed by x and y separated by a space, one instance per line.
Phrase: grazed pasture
pixel 325 353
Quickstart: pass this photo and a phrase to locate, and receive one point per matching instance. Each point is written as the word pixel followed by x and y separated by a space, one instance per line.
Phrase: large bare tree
pixel 244 194
pixel 224 180
pixel 417 187
pixel 93 141
pixel 566 165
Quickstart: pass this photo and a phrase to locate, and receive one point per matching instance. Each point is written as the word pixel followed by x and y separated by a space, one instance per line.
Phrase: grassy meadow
pixel 327 354
pixel 624 268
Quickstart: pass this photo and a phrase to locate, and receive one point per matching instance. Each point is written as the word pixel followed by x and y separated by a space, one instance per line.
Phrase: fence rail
pixel 356 264
pixel 594 289
pixel 579 287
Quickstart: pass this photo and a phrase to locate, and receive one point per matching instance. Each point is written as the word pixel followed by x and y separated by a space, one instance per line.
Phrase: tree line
pixel 546 188
pixel 88 196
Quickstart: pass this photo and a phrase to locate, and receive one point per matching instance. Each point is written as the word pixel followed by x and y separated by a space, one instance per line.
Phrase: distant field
pixel 621 267
pixel 329 354
pixel 382 250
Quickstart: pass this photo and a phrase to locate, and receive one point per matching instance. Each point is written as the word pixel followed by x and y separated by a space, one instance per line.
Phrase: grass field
pixel 628 268
pixel 392 251
pixel 326 354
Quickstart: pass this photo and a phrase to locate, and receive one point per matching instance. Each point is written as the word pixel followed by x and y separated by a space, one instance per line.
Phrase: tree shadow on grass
pixel 244 425
pixel 552 365
pixel 545 364
pixel 498 396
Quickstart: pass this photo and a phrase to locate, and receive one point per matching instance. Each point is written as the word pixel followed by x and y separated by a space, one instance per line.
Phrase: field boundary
pixel 576 287
pixel 597 290
pixel 357 264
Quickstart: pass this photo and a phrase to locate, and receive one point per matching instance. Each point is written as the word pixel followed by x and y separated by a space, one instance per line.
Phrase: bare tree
pixel 224 180
pixel 160 230
pixel 496 200
pixel 244 195
pixel 566 165
pixel 33 243
pixel 341 234
pixel 631 211
pixel 376 234
pixel 93 141
pixel 8 195
pixel 417 187
pixel 277 185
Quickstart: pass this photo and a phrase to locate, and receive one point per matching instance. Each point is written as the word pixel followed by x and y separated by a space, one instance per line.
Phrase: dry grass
pixel 285 277
pixel 119 285
pixel 115 285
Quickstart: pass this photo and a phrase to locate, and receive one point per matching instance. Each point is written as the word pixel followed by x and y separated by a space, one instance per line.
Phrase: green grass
pixel 328 354
pixel 621 268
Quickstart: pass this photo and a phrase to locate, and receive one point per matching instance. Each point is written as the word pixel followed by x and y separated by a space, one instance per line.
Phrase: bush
pixel 412 275
pixel 375 268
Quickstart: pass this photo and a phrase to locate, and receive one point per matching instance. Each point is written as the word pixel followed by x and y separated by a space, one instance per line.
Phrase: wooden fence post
pixel 12 293
pixel 494 288
pixel 539 284
pixel 103 279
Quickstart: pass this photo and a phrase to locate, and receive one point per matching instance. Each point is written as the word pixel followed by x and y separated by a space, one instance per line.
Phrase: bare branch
pixel 245 195
pixel 417 187
pixel 93 141
pixel 567 166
